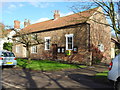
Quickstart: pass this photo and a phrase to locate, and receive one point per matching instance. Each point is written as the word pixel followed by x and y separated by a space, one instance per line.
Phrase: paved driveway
pixel 79 78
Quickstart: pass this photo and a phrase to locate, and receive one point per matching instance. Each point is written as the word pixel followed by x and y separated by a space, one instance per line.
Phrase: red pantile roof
pixel 76 18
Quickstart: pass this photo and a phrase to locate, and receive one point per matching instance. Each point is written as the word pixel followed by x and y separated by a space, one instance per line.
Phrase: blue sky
pixel 34 11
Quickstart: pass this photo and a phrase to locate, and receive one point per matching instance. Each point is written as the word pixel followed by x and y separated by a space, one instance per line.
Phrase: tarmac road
pixel 82 79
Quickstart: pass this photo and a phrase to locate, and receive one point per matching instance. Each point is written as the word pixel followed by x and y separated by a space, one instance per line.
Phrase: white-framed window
pixel 34 49
pixel 17 49
pixel 69 41
pixel 47 43
pixel 101 47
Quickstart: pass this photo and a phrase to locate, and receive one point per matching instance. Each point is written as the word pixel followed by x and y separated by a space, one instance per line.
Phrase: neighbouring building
pixel 5 35
pixel 79 35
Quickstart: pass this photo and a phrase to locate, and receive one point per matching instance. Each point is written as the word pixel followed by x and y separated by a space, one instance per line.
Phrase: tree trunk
pixel 28 54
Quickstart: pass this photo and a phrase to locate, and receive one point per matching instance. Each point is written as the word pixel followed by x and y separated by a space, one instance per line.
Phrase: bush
pixel 7 46
pixel 117 51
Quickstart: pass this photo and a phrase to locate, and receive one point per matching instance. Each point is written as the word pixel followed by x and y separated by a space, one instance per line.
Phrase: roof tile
pixel 76 18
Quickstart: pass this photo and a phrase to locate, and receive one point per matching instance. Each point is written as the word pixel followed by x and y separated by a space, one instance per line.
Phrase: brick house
pixel 78 34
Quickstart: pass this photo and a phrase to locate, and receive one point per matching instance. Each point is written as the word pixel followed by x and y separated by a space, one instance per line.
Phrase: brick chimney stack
pixel 26 23
pixel 16 24
pixel 56 14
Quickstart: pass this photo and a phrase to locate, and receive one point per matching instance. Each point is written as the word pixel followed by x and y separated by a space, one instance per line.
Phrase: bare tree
pixel 3 32
pixel 111 10
pixel 27 40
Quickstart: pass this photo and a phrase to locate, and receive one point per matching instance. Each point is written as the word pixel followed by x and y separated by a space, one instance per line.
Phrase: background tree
pixel 27 40
pixel 111 10
pixel 7 46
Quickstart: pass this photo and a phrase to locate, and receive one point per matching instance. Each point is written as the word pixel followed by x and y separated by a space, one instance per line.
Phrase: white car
pixel 114 72
pixel 7 58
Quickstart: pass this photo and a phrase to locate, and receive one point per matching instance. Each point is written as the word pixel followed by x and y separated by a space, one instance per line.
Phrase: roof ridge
pixel 69 15
pixel 61 21
pixel 80 12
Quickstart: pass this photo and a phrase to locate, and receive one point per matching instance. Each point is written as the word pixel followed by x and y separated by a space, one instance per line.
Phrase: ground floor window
pixel 34 49
pixel 17 49
pixel 47 43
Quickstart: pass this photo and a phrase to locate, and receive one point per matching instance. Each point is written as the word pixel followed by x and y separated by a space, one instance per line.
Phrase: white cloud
pixel 65 14
pixel 0 4
pixel 12 6
pixel 20 5
pixel 35 4
pixel 8 12
pixel 40 20
pixel 41 4
pixel 46 18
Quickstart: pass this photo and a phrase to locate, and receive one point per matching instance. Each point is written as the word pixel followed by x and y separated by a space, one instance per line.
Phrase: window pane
pixel 48 41
pixel 69 40
pixel 17 49
pixel 48 47
pixel 34 49
pixel 69 46
pixel 47 44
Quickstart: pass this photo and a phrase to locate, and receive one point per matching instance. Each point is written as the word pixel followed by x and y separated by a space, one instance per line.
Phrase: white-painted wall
pixel 5 39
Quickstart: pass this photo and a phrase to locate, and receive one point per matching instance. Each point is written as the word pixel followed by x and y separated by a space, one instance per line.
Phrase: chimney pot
pixel 56 14
pixel 26 23
pixel 16 24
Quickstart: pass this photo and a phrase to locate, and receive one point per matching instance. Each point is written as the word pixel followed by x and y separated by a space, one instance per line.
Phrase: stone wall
pixel 87 37
pixel 58 37
pixel 100 34
pixel 21 53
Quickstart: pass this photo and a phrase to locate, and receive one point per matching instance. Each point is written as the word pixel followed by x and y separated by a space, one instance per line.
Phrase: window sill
pixel 34 53
pixel 47 49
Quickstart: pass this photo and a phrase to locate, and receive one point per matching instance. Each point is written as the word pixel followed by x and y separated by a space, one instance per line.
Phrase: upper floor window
pixel 69 41
pixel 34 49
pixel 47 43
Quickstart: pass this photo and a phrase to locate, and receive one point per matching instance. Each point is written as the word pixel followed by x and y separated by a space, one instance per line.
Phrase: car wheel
pixel 13 66
pixel 117 87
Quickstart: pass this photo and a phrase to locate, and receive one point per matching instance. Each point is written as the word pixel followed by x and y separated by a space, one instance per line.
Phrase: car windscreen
pixel 8 54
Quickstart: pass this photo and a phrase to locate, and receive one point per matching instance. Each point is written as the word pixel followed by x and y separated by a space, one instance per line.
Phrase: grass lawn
pixel 46 65
pixel 101 77
pixel 102 74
